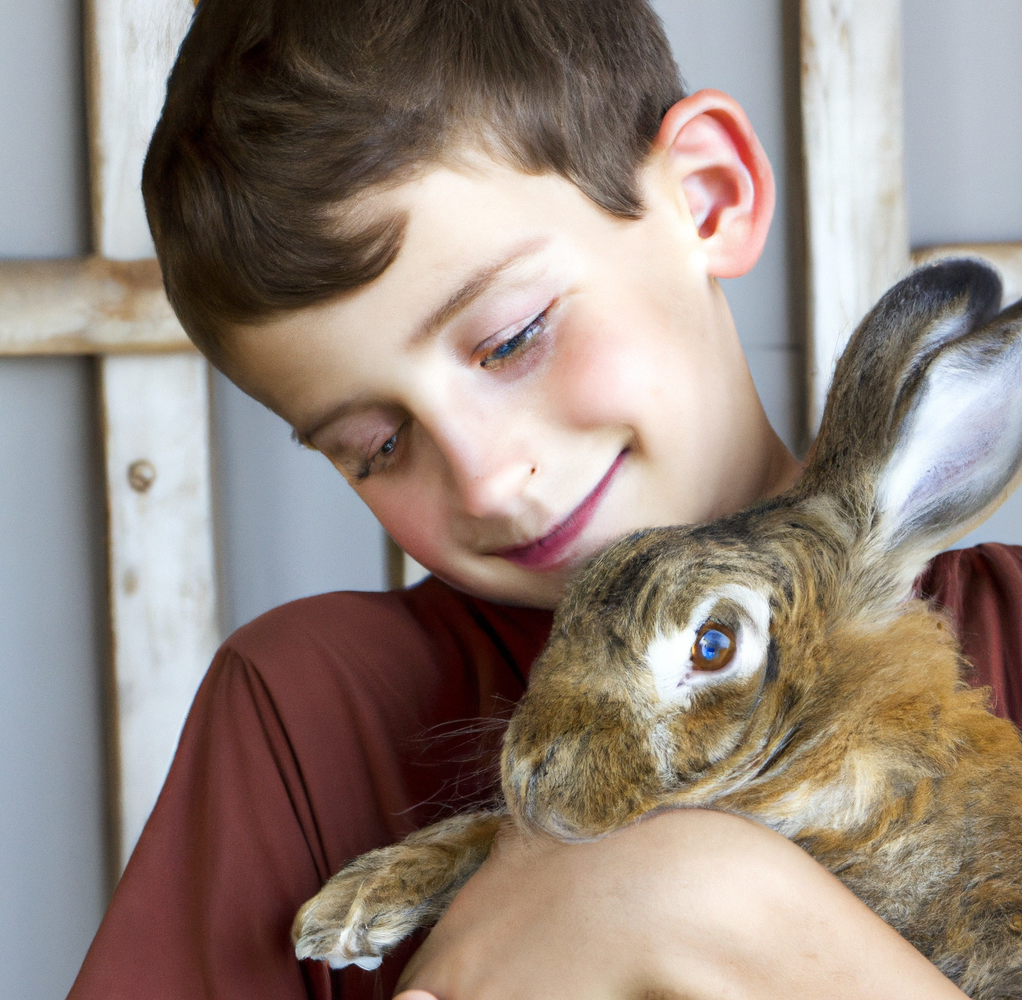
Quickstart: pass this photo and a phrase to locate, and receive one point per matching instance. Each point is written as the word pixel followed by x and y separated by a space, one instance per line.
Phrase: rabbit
pixel 775 664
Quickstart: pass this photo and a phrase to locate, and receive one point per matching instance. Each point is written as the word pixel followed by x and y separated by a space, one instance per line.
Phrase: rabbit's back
pixel 928 832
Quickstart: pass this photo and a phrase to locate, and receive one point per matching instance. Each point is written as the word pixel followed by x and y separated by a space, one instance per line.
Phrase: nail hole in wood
pixel 141 475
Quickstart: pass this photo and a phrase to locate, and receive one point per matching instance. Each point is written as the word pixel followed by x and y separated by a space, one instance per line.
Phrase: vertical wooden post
pixel 156 431
pixel 402 569
pixel 856 219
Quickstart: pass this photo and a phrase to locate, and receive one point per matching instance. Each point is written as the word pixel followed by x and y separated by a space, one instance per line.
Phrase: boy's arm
pixel 690 903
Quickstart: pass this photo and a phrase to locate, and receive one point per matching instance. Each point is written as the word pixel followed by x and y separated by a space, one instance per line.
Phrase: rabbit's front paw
pixel 385 895
pixel 356 917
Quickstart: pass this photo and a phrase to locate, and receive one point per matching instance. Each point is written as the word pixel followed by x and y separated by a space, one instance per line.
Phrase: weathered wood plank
pixel 86 306
pixel 162 583
pixel 402 569
pixel 856 219
pixel 130 47
pixel 162 592
pixel 1006 257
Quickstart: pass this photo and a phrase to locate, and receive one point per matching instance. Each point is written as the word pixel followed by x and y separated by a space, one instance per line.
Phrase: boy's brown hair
pixel 280 111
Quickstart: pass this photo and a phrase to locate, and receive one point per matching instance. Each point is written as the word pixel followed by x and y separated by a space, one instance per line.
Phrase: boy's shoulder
pixel 431 637
pixel 973 575
pixel 981 589
pixel 388 635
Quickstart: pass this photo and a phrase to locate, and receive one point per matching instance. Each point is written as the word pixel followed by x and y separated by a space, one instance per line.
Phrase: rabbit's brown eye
pixel 714 647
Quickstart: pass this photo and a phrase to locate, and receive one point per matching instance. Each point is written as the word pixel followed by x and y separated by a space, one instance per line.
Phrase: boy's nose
pixel 491 491
pixel 491 464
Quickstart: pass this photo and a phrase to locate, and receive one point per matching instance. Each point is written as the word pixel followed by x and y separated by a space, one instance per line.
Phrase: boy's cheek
pixel 604 382
pixel 415 519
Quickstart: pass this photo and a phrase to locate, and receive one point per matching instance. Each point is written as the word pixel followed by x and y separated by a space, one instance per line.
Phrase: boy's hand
pixel 690 903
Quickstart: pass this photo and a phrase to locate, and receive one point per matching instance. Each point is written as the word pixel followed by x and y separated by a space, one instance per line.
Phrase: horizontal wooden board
pixel 1006 257
pixel 86 306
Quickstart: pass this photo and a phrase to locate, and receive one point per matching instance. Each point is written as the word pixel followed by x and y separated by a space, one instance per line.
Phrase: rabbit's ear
pixel 922 433
pixel 959 440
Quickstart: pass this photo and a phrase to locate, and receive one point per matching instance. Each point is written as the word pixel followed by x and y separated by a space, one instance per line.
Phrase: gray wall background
pixel 287 526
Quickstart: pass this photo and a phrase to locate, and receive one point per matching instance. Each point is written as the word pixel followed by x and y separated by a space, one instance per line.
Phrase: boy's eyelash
pixel 385 450
pixel 515 343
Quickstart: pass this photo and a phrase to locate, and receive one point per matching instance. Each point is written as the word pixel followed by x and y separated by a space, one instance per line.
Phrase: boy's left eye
pixel 514 344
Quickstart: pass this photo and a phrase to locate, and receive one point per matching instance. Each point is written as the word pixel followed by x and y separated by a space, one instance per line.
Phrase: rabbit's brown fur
pixel 864 746
pixel 841 721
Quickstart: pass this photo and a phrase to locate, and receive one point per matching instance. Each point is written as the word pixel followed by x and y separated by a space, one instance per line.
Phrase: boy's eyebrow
pixel 478 283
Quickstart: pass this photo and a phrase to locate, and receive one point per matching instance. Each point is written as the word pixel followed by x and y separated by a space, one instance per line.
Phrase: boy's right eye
pixel 362 442
pixel 377 458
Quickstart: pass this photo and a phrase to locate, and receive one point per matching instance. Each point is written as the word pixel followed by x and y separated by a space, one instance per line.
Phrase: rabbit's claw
pixel 352 945
pixel 358 916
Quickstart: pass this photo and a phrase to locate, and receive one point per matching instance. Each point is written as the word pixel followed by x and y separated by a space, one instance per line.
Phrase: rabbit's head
pixel 688 663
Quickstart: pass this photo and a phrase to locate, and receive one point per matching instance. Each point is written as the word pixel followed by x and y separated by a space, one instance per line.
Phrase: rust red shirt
pixel 338 723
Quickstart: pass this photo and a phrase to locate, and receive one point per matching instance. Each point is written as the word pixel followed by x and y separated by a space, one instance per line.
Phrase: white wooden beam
pixel 156 418
pixel 162 591
pixel 856 220
pixel 86 306
pixel 130 47
pixel 402 569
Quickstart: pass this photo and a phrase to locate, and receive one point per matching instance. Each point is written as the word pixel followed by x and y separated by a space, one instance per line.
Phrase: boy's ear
pixel 713 152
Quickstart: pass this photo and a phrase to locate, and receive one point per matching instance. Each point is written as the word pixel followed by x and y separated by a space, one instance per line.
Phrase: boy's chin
pixel 513 585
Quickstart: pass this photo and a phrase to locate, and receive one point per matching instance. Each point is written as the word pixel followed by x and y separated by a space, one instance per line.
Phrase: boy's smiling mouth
pixel 546 552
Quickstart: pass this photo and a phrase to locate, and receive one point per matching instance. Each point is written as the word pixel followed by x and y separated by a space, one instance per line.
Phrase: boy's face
pixel 530 379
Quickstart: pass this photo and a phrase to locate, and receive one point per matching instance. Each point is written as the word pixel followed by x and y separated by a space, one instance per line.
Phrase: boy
pixel 468 250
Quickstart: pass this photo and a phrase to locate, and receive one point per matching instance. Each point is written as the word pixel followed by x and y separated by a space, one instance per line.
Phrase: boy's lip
pixel 545 552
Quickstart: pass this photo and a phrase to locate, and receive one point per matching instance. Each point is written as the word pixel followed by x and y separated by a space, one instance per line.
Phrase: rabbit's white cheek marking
pixel 669 655
pixel 842 801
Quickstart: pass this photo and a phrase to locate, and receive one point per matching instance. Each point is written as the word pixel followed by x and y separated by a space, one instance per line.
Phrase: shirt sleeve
pixel 312 739
pixel 981 588
pixel 197 913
